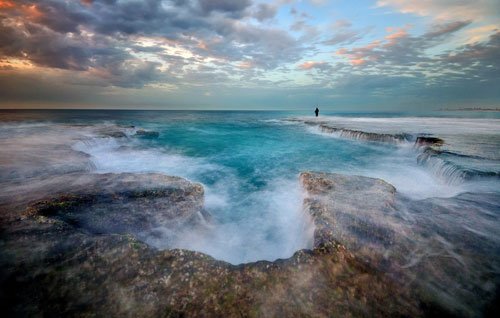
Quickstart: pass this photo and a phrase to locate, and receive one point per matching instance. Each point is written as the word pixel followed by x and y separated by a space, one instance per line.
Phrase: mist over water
pixel 248 163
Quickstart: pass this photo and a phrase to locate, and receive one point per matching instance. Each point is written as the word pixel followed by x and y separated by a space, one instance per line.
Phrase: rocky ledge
pixel 79 253
pixel 447 266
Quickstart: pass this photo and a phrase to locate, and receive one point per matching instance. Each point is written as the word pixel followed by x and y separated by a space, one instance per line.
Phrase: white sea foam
pixel 266 224
pixel 433 177
pixel 435 125
pixel 274 227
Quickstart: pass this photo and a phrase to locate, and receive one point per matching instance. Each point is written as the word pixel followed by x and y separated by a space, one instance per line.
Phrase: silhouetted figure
pixel 316 111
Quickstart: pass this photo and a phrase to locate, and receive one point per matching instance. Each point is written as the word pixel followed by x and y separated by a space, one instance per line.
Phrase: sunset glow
pixel 322 50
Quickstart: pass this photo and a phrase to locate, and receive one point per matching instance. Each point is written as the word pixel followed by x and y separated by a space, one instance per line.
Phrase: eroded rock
pixel 440 247
pixel 429 141
pixel 53 265
pixel 124 203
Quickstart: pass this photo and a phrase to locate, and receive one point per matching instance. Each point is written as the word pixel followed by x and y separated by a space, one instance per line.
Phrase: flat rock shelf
pixel 80 253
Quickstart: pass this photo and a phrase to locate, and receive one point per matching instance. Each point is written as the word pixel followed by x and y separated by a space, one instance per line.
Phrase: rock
pixel 55 261
pixel 147 134
pixel 364 135
pixel 124 203
pixel 355 211
pixel 428 141
pixel 112 131
pixel 447 165
pixel 115 134
pixel 433 246
pixel 356 134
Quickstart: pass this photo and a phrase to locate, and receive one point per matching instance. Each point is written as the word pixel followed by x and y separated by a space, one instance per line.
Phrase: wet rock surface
pixel 429 141
pixel 363 135
pixel 79 253
pixel 429 245
pixel 447 164
pixel 147 133
pixel 124 203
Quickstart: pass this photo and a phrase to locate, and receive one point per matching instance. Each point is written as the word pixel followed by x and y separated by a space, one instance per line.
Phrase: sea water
pixel 249 162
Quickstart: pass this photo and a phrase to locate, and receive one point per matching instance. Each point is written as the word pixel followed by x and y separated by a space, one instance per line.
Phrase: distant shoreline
pixel 470 109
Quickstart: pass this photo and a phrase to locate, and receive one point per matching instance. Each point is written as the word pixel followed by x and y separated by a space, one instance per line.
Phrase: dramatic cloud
pixel 399 48
pixel 314 65
pixel 446 9
pixel 175 50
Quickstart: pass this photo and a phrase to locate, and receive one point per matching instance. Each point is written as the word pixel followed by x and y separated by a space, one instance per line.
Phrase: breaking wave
pixel 451 167
pixel 367 136
pixel 443 166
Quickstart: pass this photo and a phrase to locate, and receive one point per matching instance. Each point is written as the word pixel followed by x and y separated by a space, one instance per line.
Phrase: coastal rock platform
pixel 80 253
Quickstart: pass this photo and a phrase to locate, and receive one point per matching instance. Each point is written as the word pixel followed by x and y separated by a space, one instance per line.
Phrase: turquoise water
pixel 249 163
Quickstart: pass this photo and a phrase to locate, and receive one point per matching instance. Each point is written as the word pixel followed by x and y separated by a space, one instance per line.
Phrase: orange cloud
pixel 360 55
pixel 202 45
pixel 395 35
pixel 357 62
pixel 481 33
pixel 308 65
pixel 246 65
pixel 444 9
pixel 32 12
pixel 4 4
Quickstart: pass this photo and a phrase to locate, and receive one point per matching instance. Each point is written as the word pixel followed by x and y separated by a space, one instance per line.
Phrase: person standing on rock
pixel 316 111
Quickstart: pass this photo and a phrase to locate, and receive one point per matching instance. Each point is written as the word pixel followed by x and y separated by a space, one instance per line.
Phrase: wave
pixel 248 224
pixel 368 136
pixel 444 165
pixel 434 125
pixel 450 167
pixel 357 134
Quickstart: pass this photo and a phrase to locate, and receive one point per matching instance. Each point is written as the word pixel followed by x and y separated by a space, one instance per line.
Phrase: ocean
pixel 249 162
pixel 445 167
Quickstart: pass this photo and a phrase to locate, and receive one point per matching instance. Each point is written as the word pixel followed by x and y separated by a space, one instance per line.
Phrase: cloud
pixel 444 29
pixel 400 48
pixel 343 33
pixel 399 66
pixel 309 65
pixel 265 12
pixel 109 47
pixel 103 37
pixel 446 9
pixel 481 59
pixel 235 7
pixel 344 37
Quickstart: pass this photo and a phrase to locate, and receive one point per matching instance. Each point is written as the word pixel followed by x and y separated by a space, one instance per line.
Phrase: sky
pixel 250 54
